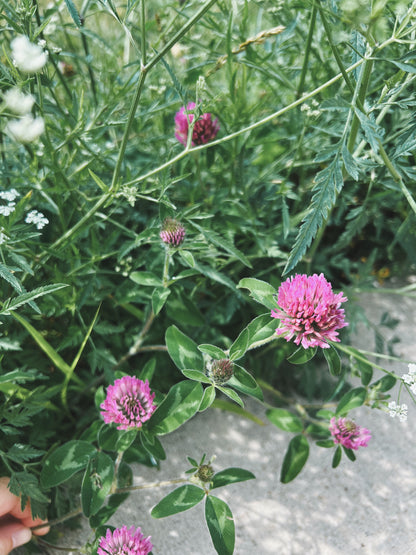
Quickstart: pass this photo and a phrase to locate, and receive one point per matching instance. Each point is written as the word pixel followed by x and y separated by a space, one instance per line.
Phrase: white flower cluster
pixel 37 218
pixel 30 58
pixel 410 378
pixel 398 410
pixel 9 197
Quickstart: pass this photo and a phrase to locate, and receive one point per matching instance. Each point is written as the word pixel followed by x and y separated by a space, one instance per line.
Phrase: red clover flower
pixel 172 232
pixel 348 433
pixel 129 403
pixel 309 311
pixel 205 129
pixel 124 541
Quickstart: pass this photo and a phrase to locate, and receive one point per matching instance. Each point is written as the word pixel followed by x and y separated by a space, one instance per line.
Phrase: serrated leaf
pixel 73 12
pixel 220 524
pixel 183 350
pixel 231 476
pixel 6 274
pixel 179 500
pixel 295 458
pixel 350 163
pixel 351 400
pixel 222 243
pixel 30 296
pixel 23 453
pixel 285 420
pixel 328 183
pixel 373 133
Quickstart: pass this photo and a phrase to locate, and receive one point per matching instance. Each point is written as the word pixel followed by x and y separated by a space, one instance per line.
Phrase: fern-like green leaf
pixel 73 12
pixel 328 183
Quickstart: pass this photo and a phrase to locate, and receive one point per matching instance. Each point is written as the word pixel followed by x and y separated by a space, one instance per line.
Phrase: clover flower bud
pixel 220 371
pixel 205 128
pixel 205 473
pixel 172 232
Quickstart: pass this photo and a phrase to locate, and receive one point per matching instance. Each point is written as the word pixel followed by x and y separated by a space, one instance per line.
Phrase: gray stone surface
pixel 364 507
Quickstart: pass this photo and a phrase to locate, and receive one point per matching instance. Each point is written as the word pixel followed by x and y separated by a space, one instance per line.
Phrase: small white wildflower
pixel 410 378
pixel 37 218
pixel 28 57
pixel 10 196
pixel 18 102
pixel 398 410
pixel 27 129
pixel 7 209
pixel 3 237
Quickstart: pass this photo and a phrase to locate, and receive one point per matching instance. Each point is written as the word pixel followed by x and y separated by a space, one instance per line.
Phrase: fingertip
pixel 43 530
pixel 20 537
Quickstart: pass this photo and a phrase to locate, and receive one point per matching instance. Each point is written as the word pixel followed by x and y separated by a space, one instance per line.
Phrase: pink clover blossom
pixel 347 433
pixel 205 128
pixel 129 403
pixel 124 541
pixel 172 232
pixel 309 311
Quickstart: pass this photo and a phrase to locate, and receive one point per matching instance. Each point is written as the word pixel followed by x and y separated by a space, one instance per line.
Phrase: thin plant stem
pixel 89 67
pixel 127 489
pixel 143 33
pixel 307 51
pixel 152 485
pixel 250 127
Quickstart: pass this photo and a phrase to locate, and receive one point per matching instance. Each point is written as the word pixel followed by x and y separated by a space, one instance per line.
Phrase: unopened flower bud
pixel 172 232
pixel 220 371
pixel 205 473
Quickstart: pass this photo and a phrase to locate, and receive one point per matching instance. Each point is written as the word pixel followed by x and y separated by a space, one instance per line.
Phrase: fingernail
pixel 21 537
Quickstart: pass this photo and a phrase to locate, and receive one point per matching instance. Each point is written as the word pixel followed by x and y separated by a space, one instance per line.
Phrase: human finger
pixel 13 535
